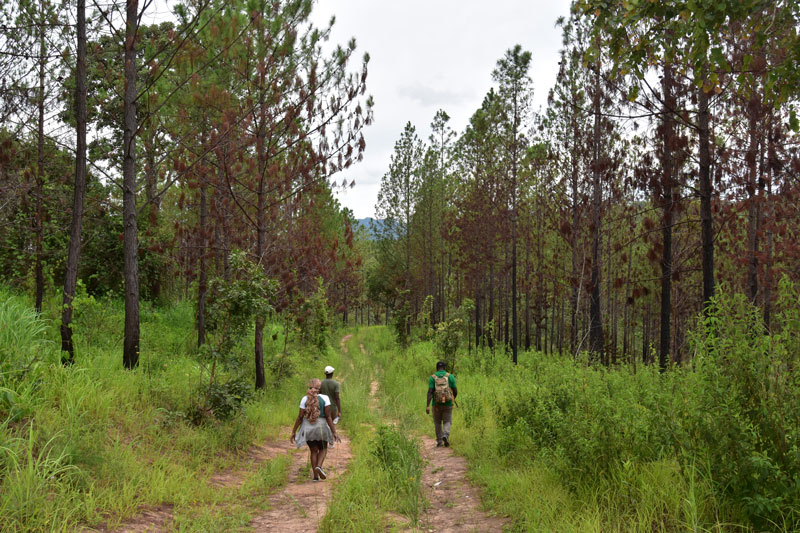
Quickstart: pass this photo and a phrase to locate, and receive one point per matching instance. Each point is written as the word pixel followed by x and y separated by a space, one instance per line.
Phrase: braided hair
pixel 312 402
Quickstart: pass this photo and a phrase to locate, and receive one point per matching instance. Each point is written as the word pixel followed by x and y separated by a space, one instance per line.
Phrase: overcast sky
pixel 427 55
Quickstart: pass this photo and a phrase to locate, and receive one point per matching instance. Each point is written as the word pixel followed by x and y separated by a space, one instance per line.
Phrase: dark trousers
pixel 442 419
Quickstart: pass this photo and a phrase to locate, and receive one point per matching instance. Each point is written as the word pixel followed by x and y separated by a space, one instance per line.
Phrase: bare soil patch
pixel 159 518
pixel 254 457
pixel 149 519
pixel 455 505
pixel 302 504
pixel 343 343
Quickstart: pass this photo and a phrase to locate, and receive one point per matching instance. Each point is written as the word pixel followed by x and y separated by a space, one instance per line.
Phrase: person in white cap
pixel 330 387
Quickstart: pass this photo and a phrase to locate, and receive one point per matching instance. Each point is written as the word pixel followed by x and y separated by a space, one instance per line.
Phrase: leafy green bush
pixel 746 417
pixel 448 339
pixel 401 320
pixel 226 399
pixel 313 320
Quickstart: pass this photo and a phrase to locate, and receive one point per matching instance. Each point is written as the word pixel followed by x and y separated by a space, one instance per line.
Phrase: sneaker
pixel 321 473
pixel 446 442
pixel 438 444
pixel 315 479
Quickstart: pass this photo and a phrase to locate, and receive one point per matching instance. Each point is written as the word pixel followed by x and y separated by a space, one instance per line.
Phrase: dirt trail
pixel 300 506
pixel 454 504
pixel 343 342
pixel 159 518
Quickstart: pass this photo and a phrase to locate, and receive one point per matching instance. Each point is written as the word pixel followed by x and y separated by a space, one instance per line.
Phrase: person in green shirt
pixel 330 387
pixel 442 410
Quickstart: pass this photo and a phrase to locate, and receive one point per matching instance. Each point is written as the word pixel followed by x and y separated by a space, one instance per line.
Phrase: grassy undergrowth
pixel 383 479
pixel 559 445
pixel 91 444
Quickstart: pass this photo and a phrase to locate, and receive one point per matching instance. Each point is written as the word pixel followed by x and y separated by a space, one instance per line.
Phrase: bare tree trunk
pixel 768 215
pixel 515 325
pixel 490 316
pixel 626 325
pixel 261 237
pixel 130 356
pixel 753 189
pixel 595 312
pixel 202 286
pixel 39 274
pixel 74 251
pixel 667 202
pixel 706 221
pixel 646 335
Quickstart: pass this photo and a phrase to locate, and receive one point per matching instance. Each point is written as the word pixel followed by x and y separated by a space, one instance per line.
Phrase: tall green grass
pixel 92 444
pixel 384 477
pixel 559 445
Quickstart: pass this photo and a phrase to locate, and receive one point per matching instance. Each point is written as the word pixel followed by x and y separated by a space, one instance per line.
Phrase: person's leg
pixel 447 421
pixel 313 453
pixel 437 424
pixel 323 452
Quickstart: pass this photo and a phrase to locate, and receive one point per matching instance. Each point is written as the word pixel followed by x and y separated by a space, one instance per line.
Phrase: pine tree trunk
pixel 74 250
pixel 39 269
pixel 667 203
pixel 704 182
pixel 627 337
pixel 595 312
pixel 515 325
pixel 130 357
pixel 490 317
pixel 768 215
pixel 261 237
pixel 202 286
pixel 752 208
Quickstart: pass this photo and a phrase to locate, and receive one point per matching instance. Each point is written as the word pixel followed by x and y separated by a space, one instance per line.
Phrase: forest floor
pixel 299 505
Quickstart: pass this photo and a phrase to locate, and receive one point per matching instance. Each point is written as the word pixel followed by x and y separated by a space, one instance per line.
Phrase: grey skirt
pixel 319 430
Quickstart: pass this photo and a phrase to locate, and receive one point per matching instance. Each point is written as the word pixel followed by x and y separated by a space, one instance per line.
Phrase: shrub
pixel 313 321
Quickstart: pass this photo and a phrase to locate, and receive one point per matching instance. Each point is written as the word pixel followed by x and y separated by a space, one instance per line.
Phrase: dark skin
pixel 316 454
pixel 430 395
pixel 335 396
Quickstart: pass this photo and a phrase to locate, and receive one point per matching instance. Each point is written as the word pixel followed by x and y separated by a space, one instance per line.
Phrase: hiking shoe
pixel 446 442
pixel 438 444
pixel 321 473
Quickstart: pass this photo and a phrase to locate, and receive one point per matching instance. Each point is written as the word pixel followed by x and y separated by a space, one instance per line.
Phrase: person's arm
pixel 330 423
pixel 428 405
pixel 338 402
pixel 297 423
pixel 453 386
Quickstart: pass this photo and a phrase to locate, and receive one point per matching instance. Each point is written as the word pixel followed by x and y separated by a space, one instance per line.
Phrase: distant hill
pixel 366 223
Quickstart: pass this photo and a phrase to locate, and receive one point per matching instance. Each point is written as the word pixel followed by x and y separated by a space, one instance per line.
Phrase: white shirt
pixel 324 399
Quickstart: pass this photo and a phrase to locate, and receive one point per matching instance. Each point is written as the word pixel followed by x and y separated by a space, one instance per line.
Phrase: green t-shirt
pixel 451 381
pixel 328 388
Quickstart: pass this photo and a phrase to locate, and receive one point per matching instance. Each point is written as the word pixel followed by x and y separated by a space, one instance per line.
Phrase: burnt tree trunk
pixel 39 229
pixel 704 184
pixel 595 312
pixel 202 285
pixel 74 250
pixel 667 201
pixel 130 355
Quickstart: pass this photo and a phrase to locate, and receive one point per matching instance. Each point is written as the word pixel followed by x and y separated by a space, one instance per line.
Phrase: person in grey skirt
pixel 316 427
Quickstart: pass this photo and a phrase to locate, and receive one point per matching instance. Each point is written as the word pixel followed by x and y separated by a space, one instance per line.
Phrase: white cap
pixel 329 369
